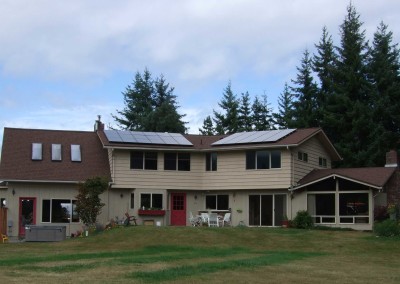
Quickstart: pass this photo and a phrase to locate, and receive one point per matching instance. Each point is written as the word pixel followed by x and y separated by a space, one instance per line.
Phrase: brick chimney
pixel 98 125
pixel 392 159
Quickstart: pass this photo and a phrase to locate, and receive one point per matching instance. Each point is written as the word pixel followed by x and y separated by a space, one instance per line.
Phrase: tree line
pixel 350 89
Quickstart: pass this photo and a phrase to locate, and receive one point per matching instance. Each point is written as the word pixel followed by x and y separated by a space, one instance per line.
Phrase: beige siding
pixel 40 192
pixel 231 174
pixel 314 149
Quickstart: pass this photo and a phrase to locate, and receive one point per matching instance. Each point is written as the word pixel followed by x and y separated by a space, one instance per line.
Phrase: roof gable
pixel 17 163
pixel 375 177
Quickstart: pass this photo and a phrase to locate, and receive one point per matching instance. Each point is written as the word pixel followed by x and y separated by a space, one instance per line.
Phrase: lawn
pixel 196 255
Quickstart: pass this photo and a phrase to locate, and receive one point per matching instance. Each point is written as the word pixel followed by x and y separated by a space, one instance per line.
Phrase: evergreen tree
pixel 351 113
pixel 284 117
pixel 208 127
pixel 150 105
pixel 138 100
pixel 384 73
pixel 245 117
pixel 306 92
pixel 324 64
pixel 227 122
pixel 262 114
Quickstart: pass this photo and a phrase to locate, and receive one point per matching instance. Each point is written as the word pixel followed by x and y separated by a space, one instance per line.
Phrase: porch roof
pixel 375 177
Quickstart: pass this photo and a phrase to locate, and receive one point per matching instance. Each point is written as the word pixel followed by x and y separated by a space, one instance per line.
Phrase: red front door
pixel 27 213
pixel 178 209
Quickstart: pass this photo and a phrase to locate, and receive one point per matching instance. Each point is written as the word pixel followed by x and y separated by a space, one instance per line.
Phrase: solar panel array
pixel 136 137
pixel 254 137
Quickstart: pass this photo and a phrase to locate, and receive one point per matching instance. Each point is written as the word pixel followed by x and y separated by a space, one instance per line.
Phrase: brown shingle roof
pixel 17 164
pixel 374 176
pixel 203 141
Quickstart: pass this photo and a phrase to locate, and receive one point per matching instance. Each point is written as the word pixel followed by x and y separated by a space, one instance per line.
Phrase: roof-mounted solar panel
pixel 254 137
pixel 138 137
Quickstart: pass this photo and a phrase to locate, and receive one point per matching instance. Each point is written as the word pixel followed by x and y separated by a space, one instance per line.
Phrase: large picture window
pixel 177 161
pixel 59 211
pixel 263 159
pixel 217 202
pixel 151 200
pixel 143 160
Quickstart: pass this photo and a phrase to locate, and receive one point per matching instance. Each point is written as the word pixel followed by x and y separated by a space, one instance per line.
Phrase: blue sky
pixel 62 63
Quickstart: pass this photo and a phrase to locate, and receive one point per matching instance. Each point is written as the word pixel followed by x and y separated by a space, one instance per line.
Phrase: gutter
pixel 211 149
pixel 43 181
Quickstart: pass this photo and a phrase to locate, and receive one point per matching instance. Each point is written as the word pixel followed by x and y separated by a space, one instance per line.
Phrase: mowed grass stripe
pixel 270 258
pixel 147 255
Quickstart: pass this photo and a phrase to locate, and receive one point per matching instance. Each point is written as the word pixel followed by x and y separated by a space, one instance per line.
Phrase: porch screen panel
pixel 352 204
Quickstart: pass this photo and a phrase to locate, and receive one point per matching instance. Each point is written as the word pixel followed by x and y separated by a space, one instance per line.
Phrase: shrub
pixel 303 220
pixel 387 228
pixel 380 213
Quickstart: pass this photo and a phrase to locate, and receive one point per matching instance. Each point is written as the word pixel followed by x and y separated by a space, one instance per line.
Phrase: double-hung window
pixel 143 160
pixel 151 200
pixel 177 161
pixel 211 161
pixel 217 202
pixel 322 162
pixel 263 159
pixel 302 156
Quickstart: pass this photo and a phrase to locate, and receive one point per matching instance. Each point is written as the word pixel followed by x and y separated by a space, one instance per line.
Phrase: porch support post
pixel 337 202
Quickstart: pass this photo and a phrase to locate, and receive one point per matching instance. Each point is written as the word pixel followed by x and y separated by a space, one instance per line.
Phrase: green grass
pixel 197 255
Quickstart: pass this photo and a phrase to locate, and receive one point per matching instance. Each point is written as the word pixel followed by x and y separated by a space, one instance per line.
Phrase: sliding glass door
pixel 267 210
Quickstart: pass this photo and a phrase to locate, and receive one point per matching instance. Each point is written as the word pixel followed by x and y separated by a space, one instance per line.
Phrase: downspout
pixel 291 180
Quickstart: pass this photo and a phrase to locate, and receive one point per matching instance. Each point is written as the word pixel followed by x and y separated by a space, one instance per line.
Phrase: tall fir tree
pixel 150 105
pixel 208 127
pixel 306 92
pixel 227 121
pixel 138 100
pixel 245 115
pixel 384 73
pixel 262 114
pixel 284 116
pixel 324 64
pixel 352 121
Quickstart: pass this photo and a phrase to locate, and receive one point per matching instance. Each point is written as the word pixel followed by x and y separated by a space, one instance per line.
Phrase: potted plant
pixel 285 221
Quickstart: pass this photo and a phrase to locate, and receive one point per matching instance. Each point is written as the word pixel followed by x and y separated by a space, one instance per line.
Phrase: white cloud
pixel 198 45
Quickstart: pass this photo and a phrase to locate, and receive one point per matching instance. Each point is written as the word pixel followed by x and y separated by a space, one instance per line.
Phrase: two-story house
pixel 260 177
pixel 247 174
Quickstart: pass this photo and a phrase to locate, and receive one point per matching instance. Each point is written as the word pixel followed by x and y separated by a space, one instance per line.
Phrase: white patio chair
pixel 204 217
pixel 194 220
pixel 226 220
pixel 213 220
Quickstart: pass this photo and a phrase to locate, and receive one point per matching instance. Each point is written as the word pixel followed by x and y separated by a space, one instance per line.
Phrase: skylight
pixel 76 153
pixel 37 151
pixel 56 152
